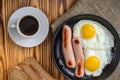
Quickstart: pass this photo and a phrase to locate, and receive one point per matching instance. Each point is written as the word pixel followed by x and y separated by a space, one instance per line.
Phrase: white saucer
pixel 29 41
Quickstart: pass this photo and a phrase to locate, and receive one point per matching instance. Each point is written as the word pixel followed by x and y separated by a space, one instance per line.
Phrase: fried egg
pixel 96 60
pixel 93 35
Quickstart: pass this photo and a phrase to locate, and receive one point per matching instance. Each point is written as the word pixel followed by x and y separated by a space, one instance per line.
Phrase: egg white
pixel 103 38
pixel 104 56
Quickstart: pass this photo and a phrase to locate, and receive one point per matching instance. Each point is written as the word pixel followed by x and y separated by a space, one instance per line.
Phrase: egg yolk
pixel 88 31
pixel 92 63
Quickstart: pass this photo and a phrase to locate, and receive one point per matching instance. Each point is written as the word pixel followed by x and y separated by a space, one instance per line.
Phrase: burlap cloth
pixel 108 9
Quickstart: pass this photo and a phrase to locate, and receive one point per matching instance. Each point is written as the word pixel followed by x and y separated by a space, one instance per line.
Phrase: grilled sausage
pixel 78 51
pixel 67 47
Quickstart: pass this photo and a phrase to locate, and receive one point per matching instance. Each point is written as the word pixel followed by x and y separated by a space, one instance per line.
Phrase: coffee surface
pixel 28 25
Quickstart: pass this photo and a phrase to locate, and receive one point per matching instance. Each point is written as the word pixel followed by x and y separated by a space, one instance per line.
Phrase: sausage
pixel 67 47
pixel 79 56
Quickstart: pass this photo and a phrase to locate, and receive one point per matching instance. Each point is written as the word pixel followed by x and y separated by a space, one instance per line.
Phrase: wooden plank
pixel 2 56
pixel 12 54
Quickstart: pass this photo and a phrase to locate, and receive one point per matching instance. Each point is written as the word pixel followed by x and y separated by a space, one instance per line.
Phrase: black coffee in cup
pixel 28 25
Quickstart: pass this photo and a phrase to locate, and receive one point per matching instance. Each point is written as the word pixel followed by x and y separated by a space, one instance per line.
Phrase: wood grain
pixel 12 54
pixel 2 56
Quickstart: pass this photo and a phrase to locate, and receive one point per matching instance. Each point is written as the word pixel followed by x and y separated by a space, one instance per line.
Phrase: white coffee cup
pixel 27 21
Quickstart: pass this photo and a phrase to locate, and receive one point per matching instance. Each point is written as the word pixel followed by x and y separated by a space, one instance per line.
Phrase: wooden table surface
pixel 12 54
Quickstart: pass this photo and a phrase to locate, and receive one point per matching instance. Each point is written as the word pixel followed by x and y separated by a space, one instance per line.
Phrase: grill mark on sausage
pixel 65 38
pixel 79 68
pixel 69 63
pixel 76 41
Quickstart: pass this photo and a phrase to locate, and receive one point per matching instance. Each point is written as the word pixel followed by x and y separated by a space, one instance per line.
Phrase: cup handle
pixel 12 26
